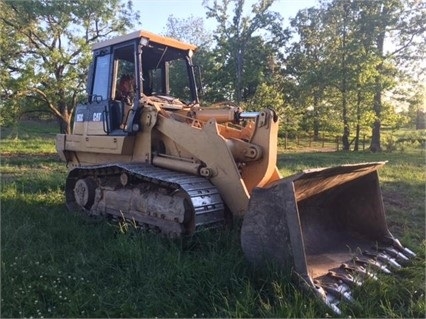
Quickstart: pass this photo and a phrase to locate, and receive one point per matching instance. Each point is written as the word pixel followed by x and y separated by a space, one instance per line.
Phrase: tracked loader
pixel 144 149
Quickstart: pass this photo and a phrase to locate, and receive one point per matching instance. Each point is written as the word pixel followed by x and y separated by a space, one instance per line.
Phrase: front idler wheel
pixel 84 192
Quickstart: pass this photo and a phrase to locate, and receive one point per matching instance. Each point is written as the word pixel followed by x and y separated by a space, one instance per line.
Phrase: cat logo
pixel 97 117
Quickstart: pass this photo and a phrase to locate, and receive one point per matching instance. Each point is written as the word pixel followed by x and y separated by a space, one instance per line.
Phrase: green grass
pixel 29 138
pixel 57 264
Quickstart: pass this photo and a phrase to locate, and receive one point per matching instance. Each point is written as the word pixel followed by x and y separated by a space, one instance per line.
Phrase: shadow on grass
pixel 30 159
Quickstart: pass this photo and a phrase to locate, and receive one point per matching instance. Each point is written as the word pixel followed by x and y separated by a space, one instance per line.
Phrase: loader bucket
pixel 328 225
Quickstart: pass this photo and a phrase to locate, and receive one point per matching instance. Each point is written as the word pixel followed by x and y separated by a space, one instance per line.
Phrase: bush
pixel 389 143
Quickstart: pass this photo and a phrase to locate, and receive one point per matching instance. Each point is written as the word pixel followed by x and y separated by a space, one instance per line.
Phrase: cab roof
pixel 151 37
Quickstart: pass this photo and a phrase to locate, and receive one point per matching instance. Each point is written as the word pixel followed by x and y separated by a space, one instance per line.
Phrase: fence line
pixel 326 142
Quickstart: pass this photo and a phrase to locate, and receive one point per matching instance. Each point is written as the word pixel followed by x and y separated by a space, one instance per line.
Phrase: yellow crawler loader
pixel 143 148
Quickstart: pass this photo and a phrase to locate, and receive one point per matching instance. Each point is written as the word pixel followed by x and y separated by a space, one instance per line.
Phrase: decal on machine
pixel 97 117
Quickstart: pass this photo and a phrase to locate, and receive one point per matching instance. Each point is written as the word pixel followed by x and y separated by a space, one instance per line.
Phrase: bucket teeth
pixel 345 278
pixel 329 299
pixel 359 271
pixel 342 291
pixel 372 264
pixel 384 258
pixel 407 252
pixel 400 257
pixel 335 286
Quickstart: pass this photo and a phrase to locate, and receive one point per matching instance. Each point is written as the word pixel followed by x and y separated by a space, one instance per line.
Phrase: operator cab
pixel 125 69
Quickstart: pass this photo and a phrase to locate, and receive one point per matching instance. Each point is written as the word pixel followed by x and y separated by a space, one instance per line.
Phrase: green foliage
pixel 389 142
pixel 339 59
pixel 267 96
pixel 393 119
pixel 235 69
pixel 414 98
pixel 407 140
pixel 190 30
pixel 46 56
pixel 9 114
pixel 334 63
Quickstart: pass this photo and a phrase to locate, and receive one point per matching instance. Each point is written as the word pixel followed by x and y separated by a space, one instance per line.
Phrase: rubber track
pixel 207 203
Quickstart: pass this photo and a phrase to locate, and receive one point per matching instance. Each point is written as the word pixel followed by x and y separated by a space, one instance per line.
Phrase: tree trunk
pixel 375 139
pixel 358 118
pixel 377 107
pixel 316 118
pixel 420 120
pixel 346 131
pixel 64 126
pixel 377 102
pixel 356 143
pixel 345 137
pixel 64 121
pixel 316 129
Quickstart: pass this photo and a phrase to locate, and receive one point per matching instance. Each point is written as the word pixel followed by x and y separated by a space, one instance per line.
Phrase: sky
pixel 154 13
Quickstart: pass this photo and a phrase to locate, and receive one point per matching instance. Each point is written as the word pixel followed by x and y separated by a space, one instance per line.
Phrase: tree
pixel 190 30
pixel 352 64
pixel 237 39
pixel 340 58
pixel 410 97
pixel 335 29
pixel 308 68
pixel 403 22
pixel 48 50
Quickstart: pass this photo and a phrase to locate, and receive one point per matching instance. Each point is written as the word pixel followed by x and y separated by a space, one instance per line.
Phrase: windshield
pixel 167 71
pixel 171 79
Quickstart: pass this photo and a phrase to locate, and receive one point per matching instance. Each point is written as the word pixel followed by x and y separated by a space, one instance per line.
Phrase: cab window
pixel 100 86
pixel 124 82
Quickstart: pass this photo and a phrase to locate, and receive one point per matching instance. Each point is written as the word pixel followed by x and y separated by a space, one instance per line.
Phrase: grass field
pixel 58 264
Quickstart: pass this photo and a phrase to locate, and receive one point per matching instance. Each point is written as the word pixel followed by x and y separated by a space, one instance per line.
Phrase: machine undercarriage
pixel 174 203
